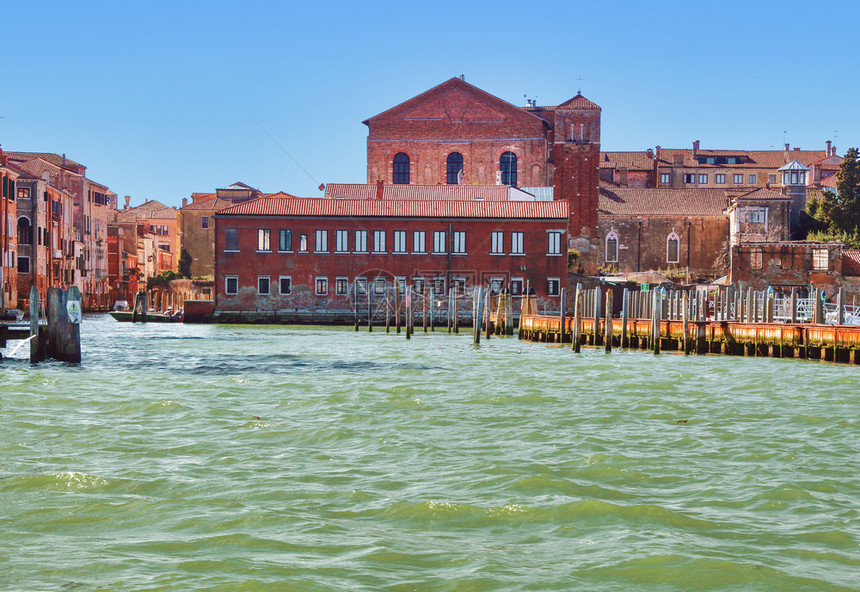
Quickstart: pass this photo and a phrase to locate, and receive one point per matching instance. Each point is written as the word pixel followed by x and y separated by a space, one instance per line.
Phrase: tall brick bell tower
pixel 576 156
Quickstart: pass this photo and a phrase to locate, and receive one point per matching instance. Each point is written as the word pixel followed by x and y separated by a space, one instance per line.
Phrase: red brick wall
pixel 577 179
pixel 303 268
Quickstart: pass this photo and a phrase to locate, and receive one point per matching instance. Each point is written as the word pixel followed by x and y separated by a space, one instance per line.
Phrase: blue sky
pixel 162 99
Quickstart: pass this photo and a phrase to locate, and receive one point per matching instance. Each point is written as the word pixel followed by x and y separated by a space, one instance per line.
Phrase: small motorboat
pixel 125 316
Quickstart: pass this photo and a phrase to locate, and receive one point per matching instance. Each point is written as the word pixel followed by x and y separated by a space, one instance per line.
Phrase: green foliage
pixel 184 264
pixel 163 279
pixel 837 216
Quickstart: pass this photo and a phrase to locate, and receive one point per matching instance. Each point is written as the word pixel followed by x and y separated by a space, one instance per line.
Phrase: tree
pixel 185 264
pixel 837 216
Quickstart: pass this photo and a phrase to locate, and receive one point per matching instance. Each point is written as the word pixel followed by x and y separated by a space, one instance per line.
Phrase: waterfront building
pixel 92 207
pixel 8 236
pixel 276 253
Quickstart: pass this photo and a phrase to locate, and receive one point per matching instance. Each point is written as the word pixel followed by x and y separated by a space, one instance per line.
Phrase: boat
pixel 125 316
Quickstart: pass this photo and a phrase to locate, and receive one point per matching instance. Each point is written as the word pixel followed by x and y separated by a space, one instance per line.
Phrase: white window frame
pixel 517 281
pixel 440 242
pixel 24 258
pixel 517 243
pixel 458 242
pixel 267 279
pixel 400 242
pixel 419 241
pixel 418 283
pixel 360 241
pixel 497 242
pixel 553 247
pixel 227 280
pixel 341 241
pixel 281 279
pixel 550 282
pixel 439 284
pixel 338 280
pixel 360 285
pixel 703 178
pixel 321 241
pixel 379 241
pixel 673 236
pixel 820 259
pixel 317 282
pixel 738 178
pixel 665 178
pixel 753 178
pixel 303 243
pixel 612 236
pixel 285 232
pixel 264 240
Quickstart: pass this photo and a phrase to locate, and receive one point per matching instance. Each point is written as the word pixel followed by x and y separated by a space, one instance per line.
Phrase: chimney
pixel 184 201
pixel 657 152
pixel 64 159
pixel 463 77
pixel 649 153
pixel 379 188
pixel 695 149
pixel 787 147
pixel 827 152
pixel 127 201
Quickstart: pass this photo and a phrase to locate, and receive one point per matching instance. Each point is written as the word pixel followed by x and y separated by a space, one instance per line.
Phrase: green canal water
pixel 283 458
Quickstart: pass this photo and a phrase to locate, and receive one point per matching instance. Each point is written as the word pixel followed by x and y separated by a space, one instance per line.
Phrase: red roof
pixel 850 262
pixel 353 208
pixel 418 192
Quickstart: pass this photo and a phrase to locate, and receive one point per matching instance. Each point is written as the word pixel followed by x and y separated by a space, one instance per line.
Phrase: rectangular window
pixel 517 286
pixel 399 241
pixel 361 241
pixel 496 285
pixel 321 286
pixel 497 243
pixel 703 179
pixel 517 243
pixel 263 285
pixel 739 179
pixel 439 285
pixel 379 241
pixel 553 286
pixel 400 283
pixel 285 285
pixel 341 285
pixel 204 222
pixel 341 241
pixel 719 178
pixel 23 262
pixel 231 239
pixel 263 235
pixel 459 242
pixel 554 242
pixel 771 179
pixel 23 193
pixel 419 244
pixel 379 285
pixel 361 285
pixel 231 284
pixel 285 240
pixel 612 249
pixel 672 249
pixel 755 258
pixel 418 284
pixel 321 241
pixel 689 178
pixel 753 179
pixel 820 260
pixel 440 242
pixel 665 178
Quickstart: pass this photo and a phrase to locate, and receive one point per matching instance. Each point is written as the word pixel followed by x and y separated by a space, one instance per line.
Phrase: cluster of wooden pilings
pixel 59 336
pixel 399 306
pixel 656 320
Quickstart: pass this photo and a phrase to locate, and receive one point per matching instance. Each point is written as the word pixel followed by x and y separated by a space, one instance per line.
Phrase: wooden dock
pixel 749 332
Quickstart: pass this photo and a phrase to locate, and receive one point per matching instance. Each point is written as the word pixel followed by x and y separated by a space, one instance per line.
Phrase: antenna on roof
pixel 579 86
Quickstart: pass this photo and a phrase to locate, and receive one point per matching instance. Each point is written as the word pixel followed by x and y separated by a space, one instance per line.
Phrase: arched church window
pixel 508 166
pixel 401 169
pixel 673 242
pixel 612 247
pixel 454 168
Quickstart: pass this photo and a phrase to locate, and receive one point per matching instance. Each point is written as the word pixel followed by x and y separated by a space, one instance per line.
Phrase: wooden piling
pixel 655 321
pixel 355 305
pixel 387 311
pixel 477 302
pixel 562 300
pixel 397 306
pixel 595 335
pixel 840 307
pixel 685 313
pixel 625 307
pixel 369 308
pixel 409 319
pixel 509 314
pixel 487 310
pixel 793 304
pixel 456 313
pixel 607 323
pixel 35 350
pixel 576 338
pixel 432 301
pixel 424 307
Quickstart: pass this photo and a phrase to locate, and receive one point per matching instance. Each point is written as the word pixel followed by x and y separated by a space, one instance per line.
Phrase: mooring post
pixel 387 311
pixel 144 306
pixel 561 314
pixel 818 307
pixel 477 298
pixel 768 306
pixel 488 308
pixel 355 304
pixel 577 319
pixel 509 314
pixel 35 349
pixel 369 308
pixel 625 297
pixel 432 300
pixel 397 305
pixel 793 304
pixel 685 314
pixel 409 319
pixel 450 310
pixel 596 332
pixel 750 305
pixel 655 323
pixel 607 323
pixel 840 307
pixel 424 307
pixel 456 312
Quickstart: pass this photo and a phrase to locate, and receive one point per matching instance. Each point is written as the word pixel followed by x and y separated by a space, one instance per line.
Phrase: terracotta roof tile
pixel 418 192
pixel 850 262
pixel 662 202
pixel 55 159
pixel 637 161
pixel 359 208
pixel 754 159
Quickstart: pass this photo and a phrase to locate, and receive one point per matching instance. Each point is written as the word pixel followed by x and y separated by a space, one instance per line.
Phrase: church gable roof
pixel 579 102
pixel 455 101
